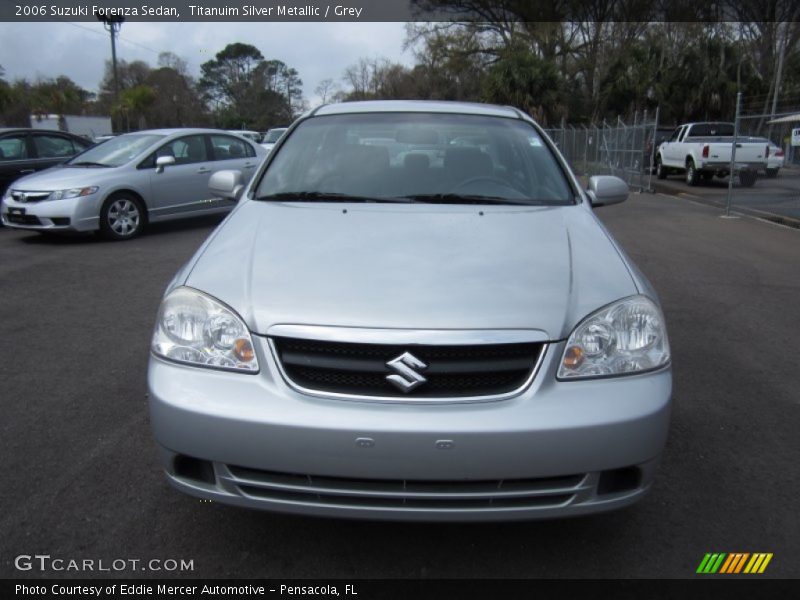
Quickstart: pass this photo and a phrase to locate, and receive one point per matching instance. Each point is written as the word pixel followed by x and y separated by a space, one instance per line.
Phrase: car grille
pixel 406 494
pixel 22 196
pixel 449 372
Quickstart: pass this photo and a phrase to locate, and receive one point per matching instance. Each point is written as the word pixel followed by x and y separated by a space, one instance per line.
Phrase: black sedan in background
pixel 24 151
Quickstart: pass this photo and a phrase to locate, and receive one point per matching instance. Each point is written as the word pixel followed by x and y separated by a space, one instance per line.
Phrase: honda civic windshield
pixel 115 152
pixel 416 157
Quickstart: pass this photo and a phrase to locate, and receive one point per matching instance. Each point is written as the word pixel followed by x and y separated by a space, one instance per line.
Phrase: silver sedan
pixel 120 185
pixel 442 333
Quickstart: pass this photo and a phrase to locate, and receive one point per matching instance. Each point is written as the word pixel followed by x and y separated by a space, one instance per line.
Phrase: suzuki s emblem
pixel 406 366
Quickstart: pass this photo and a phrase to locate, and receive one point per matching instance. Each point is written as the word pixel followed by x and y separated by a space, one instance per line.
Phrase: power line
pixel 131 42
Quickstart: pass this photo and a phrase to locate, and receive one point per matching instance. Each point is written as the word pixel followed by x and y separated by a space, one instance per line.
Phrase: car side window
pixel 675 134
pixel 53 146
pixel 13 147
pixel 185 150
pixel 227 147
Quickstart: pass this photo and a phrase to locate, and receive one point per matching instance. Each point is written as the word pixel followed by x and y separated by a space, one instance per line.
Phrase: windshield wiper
pixel 327 197
pixel 471 199
pixel 87 164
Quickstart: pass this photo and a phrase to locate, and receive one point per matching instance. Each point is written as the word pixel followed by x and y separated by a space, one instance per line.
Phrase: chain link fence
pixel 623 147
pixel 776 193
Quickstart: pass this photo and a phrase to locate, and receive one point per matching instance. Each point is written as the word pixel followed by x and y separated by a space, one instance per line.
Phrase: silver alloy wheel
pixel 123 217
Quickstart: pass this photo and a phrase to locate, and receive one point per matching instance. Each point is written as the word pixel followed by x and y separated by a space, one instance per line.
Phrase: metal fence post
pixel 632 150
pixel 585 149
pixel 596 145
pixel 641 151
pixel 609 159
pixel 653 153
pixel 733 155
pixel 574 147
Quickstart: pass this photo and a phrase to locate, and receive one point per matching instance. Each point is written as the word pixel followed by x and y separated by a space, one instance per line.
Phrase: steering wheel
pixel 492 180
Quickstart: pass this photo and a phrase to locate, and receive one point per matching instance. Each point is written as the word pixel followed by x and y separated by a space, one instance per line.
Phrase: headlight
pixel 72 193
pixel 623 338
pixel 196 329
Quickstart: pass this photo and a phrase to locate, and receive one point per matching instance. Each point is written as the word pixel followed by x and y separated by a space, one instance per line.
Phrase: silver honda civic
pixel 120 185
pixel 412 313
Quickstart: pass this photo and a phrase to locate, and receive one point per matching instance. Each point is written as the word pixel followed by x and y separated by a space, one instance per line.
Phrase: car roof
pixel 38 130
pixel 436 106
pixel 179 130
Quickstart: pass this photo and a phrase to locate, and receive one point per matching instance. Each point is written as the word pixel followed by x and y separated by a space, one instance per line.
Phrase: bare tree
pixel 325 90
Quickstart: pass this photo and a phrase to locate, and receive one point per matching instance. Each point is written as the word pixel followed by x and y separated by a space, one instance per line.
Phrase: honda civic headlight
pixel 196 329
pixel 623 338
pixel 72 193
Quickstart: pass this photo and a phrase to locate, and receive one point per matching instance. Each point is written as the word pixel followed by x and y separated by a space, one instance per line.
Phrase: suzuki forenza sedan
pixel 412 313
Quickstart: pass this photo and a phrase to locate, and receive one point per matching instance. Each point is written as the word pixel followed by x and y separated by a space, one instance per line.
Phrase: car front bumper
pixel 556 449
pixel 71 214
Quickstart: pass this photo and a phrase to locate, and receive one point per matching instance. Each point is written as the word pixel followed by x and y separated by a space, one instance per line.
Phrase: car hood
pixel 62 178
pixel 406 266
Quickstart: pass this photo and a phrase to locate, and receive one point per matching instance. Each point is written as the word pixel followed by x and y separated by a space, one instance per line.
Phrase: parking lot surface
pixel 778 196
pixel 82 479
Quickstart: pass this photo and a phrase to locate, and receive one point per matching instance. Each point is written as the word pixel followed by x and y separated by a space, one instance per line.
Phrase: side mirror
pixel 607 189
pixel 226 184
pixel 163 161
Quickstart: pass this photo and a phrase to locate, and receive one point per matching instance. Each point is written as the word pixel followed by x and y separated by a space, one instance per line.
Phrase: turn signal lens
pixel 243 350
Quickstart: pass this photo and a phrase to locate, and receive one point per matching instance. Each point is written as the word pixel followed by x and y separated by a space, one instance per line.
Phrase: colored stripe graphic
pixel 758 563
pixel 734 563
pixel 711 563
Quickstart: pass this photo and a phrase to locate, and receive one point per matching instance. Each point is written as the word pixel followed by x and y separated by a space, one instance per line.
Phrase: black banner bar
pixel 705 587
pixel 401 10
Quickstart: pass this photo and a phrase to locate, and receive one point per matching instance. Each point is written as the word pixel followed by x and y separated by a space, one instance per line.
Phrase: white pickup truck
pixel 702 150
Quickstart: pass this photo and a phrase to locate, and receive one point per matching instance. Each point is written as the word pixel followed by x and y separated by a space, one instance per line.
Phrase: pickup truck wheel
pixel 692 176
pixel 747 178
pixel 661 170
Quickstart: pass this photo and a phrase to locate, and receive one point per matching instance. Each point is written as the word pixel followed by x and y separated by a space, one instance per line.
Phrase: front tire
pixel 661 170
pixel 122 217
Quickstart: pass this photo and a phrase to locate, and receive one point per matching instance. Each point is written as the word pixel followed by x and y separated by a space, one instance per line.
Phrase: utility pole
pixel 779 75
pixel 112 24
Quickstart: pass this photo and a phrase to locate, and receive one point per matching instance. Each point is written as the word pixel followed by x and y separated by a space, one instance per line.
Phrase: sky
pixel 79 50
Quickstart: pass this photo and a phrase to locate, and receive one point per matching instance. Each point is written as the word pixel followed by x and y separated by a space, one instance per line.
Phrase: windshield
pixel 416 157
pixel 116 151
pixel 273 135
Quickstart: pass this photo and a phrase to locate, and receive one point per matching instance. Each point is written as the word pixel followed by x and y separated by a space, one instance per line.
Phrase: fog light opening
pixel 617 481
pixel 196 469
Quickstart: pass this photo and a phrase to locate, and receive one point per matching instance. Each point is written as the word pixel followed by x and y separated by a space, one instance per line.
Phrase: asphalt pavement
pixel 775 198
pixel 81 473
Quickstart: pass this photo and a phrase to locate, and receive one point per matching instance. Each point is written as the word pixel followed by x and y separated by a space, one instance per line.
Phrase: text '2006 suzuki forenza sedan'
pixel 412 313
